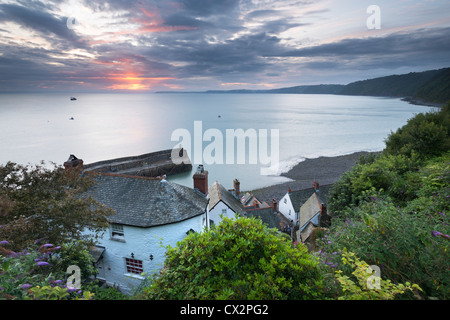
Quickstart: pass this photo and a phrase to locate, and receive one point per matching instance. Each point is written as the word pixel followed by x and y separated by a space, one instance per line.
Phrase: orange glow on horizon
pixel 134 82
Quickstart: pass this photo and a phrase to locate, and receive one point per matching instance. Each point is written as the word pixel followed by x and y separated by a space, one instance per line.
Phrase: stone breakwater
pixel 147 165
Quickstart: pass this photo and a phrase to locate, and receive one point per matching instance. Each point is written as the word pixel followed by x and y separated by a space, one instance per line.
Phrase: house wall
pixel 142 242
pixel 220 208
pixel 286 208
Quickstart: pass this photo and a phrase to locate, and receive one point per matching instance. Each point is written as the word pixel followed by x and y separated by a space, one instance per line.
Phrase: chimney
pixel 255 203
pixel 73 163
pixel 237 187
pixel 289 190
pixel 274 205
pixel 323 209
pixel 324 218
pixel 201 180
pixel 315 186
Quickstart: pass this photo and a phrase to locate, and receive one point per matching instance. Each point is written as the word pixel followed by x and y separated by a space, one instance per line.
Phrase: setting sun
pixel 134 82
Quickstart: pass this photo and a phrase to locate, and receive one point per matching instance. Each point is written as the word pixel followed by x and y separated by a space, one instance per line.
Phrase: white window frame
pixel 117 232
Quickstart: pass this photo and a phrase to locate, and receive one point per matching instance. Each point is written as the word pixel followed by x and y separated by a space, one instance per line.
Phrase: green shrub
pixel 406 246
pixel 365 284
pixel 425 134
pixel 238 259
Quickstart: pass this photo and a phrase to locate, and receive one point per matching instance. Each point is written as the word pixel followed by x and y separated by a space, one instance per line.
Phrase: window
pixel 224 211
pixel 117 232
pixel 285 200
pixel 134 266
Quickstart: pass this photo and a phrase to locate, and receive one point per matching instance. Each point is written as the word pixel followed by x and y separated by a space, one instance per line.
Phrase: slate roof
pixel 299 197
pixel 310 209
pixel 266 215
pixel 217 193
pixel 146 202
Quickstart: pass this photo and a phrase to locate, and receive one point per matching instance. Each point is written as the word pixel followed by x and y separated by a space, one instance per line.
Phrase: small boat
pixel 71 118
pixel 73 98
pixel 219 116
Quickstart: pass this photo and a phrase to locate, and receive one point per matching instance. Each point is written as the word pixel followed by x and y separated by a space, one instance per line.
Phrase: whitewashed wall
pixel 143 242
pixel 286 208
pixel 219 209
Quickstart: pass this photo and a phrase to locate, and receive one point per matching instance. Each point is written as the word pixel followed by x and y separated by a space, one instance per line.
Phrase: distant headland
pixel 430 88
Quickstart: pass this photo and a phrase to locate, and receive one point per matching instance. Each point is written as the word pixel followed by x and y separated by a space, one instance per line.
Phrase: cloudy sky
pixel 182 45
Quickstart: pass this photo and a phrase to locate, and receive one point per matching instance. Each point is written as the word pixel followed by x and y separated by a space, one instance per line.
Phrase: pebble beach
pixel 324 170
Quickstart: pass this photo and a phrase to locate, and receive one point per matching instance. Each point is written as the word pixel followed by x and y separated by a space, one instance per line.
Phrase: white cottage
pixel 289 205
pixel 150 214
pixel 222 203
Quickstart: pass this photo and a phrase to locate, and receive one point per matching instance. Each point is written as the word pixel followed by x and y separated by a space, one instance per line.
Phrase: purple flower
pixel 4 242
pixel 442 214
pixel 42 263
pixel 435 233
pixel 71 289
pixel 26 286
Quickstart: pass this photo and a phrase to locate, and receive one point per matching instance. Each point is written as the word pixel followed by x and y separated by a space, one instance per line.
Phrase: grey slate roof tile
pixel 146 202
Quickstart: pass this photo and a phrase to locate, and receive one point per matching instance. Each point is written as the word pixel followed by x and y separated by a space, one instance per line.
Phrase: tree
pixel 424 134
pixel 52 203
pixel 238 259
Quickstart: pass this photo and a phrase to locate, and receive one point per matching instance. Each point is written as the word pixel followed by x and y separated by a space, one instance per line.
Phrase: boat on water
pixel 73 98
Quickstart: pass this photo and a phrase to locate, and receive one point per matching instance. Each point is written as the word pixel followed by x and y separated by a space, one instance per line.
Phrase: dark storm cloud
pixel 431 42
pixel 42 22
pixel 198 38
pixel 206 8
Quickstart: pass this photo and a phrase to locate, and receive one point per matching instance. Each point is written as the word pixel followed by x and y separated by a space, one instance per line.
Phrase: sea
pixel 48 128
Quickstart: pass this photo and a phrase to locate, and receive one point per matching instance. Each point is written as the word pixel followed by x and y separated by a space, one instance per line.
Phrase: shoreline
pixel 324 170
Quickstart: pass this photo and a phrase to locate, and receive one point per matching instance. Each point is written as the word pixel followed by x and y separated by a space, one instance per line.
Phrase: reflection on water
pixel 35 127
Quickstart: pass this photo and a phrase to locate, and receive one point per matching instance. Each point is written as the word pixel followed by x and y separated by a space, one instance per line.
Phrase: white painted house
pixel 222 203
pixel 297 206
pixel 150 214
pixel 289 205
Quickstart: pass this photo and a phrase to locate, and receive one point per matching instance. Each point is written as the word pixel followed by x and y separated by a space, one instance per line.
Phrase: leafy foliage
pixel 34 274
pixel 367 285
pixel 425 135
pixel 392 210
pixel 37 202
pixel 401 243
pixel 237 259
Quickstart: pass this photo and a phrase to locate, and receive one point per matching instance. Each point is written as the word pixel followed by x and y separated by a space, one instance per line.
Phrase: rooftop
pixel 146 202
pixel 217 193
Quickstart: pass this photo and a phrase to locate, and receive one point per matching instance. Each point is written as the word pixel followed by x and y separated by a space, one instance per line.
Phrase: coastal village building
pixel 313 214
pixel 152 213
pixel 290 203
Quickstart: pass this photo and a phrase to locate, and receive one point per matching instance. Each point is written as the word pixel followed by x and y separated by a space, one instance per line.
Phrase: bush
pixel 365 284
pixel 425 134
pixel 406 246
pixel 34 274
pixel 238 259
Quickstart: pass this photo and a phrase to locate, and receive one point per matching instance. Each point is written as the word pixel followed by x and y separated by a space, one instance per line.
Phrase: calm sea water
pixel 35 127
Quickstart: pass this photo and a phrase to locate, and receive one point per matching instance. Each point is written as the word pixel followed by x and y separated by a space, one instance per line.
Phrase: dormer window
pixel 117 232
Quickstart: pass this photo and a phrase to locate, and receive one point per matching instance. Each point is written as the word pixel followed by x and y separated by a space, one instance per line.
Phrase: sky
pixel 195 45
